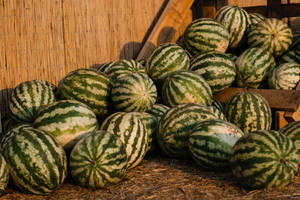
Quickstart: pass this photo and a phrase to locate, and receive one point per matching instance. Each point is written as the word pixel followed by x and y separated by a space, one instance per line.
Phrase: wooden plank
pixel 208 9
pixel 284 100
pixel 279 120
pixel 287 10
pixel 293 116
pixel 166 26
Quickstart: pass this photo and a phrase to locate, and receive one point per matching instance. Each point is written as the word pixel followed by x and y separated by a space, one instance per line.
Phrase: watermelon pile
pixel 98 123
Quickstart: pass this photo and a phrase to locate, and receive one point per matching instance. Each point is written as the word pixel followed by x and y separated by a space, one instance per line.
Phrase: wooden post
pixel 274 9
pixel 166 26
pixel 208 8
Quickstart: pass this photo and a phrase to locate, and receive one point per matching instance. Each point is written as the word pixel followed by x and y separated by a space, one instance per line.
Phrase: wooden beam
pixel 274 9
pixel 208 9
pixel 166 26
pixel 287 10
pixel 284 100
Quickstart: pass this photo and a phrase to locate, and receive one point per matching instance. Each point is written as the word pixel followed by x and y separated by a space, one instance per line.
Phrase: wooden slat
pixel 208 9
pixel 274 9
pixel 288 10
pixel 285 100
pixel 166 26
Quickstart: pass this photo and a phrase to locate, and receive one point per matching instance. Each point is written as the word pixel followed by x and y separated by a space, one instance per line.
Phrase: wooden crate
pixel 284 103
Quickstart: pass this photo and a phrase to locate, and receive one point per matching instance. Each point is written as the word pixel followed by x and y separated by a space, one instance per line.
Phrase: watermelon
pixel 150 122
pixel 255 18
pixel 98 160
pixel 286 76
pixel 249 111
pixel 292 131
pixel 175 126
pixel 11 133
pixel 211 143
pixel 158 110
pixel 89 87
pixel 296 41
pixel 185 87
pixel 133 92
pixel 37 163
pixel 235 20
pixel 271 34
pixel 28 97
pixel 132 132
pixel 103 67
pixel 67 120
pixel 264 159
pixel 205 34
pixel 216 68
pixel 4 175
pixel 166 58
pixel 253 66
pixel 123 67
pixel 290 56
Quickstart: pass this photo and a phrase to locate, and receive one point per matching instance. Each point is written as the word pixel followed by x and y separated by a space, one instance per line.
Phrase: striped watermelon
pixel 185 87
pixel 290 56
pixel 211 143
pixel 132 132
pixel 11 133
pixel 123 67
pixel 296 41
pixel 217 112
pixel 292 131
pixel 249 111
pixel 166 58
pixel 89 87
pixel 255 18
pixel 264 159
pixel 175 126
pixel 28 97
pixel 271 34
pixel 205 34
pixel 286 76
pixel 133 92
pixel 103 67
pixel 150 122
pixel 37 162
pixel 143 62
pixel 216 68
pixel 158 110
pixel 253 66
pixel 67 120
pixel 8 121
pixel 98 160
pixel 4 175
pixel 236 21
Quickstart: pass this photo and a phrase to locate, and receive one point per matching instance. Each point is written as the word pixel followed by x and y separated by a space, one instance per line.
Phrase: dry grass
pixel 159 177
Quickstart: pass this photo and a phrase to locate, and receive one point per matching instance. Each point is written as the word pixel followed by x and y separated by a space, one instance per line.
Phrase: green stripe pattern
pixel 185 87
pixel 158 110
pixel 11 133
pixel 255 18
pixel 28 97
pixel 290 56
pixel 150 122
pixel 98 160
pixel 264 159
pixel 286 76
pixel 132 132
pixel 236 21
pixel 4 175
pixel 253 66
pixel 103 67
pixel 205 34
pixel 37 162
pixel 175 126
pixel 89 87
pixel 292 131
pixel 216 68
pixel 133 92
pixel 67 120
pixel 271 34
pixel 123 67
pixel 249 111
pixel 211 143
pixel 166 58
pixel 296 41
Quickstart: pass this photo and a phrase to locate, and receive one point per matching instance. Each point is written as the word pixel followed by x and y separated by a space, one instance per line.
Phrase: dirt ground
pixel 159 177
